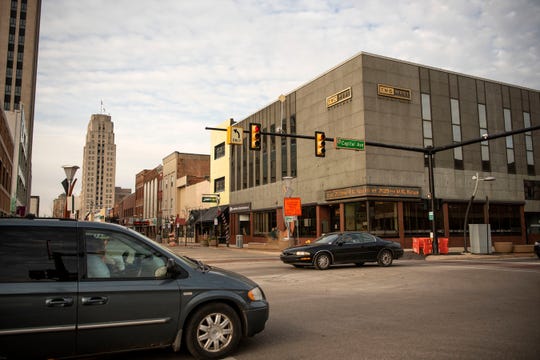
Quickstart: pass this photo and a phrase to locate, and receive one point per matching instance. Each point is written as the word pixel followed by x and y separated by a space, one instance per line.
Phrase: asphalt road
pixel 480 308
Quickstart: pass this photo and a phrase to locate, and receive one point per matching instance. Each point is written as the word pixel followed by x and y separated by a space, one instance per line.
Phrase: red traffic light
pixel 255 136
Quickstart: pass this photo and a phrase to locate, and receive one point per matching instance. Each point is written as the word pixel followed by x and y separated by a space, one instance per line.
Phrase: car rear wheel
pixel 213 331
pixel 323 261
pixel 385 258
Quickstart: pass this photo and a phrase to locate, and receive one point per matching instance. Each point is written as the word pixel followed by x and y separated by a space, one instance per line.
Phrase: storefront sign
pixel 393 92
pixel 339 97
pixel 372 190
pixel 240 208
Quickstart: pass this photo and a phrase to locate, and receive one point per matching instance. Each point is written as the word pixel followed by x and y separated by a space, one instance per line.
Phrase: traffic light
pixel 319 143
pixel 254 136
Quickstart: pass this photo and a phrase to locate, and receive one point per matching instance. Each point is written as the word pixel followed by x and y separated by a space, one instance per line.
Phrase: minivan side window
pixel 117 255
pixel 38 254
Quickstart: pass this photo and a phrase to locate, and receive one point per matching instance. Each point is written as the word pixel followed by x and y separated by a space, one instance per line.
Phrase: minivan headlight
pixel 255 294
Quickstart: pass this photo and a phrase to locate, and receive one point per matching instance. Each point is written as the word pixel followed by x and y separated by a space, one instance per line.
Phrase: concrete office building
pixel 19 40
pixel 99 167
pixel 383 190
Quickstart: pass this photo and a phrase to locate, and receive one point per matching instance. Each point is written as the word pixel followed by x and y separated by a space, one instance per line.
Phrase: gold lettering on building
pixel 339 97
pixel 372 190
pixel 393 92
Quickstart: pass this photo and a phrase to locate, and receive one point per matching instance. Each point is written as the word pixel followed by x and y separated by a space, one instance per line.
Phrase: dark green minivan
pixel 70 288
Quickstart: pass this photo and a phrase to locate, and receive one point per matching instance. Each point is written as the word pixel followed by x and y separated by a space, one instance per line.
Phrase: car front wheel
pixel 385 258
pixel 213 332
pixel 323 261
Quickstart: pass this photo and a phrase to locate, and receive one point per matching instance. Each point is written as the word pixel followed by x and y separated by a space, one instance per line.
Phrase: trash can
pixel 239 241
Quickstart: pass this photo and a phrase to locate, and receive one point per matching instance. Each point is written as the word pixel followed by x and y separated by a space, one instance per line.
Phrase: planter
pixel 503 246
pixel 204 243
pixel 523 248
pixel 212 242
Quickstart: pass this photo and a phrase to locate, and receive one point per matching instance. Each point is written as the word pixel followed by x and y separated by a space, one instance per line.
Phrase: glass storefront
pixel 377 217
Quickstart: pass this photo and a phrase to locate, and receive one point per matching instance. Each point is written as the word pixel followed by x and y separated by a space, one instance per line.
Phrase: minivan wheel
pixel 213 331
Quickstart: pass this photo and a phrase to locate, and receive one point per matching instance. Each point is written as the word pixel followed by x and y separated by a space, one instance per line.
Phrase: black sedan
pixel 342 248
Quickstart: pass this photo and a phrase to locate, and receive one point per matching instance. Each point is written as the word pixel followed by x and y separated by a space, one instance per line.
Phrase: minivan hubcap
pixel 215 332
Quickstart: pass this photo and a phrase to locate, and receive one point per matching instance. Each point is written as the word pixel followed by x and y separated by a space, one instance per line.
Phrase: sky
pixel 166 69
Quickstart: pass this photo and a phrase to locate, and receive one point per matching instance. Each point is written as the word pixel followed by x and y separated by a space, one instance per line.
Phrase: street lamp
pixel 281 99
pixel 69 184
pixel 477 179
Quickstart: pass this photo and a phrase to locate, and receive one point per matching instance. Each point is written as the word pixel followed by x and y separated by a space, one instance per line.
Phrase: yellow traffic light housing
pixel 254 136
pixel 320 139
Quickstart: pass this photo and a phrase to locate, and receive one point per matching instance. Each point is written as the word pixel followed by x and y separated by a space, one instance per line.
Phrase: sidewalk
pixel 453 253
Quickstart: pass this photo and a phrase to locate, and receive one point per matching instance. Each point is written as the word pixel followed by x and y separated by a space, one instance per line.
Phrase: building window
pixel 383 219
pixel 415 219
pixel 264 223
pixel 219 185
pixel 356 216
pixel 456 133
pixel 484 145
pixel 529 149
pixel 456 216
pixel 219 151
pixel 505 219
pixel 427 124
pixel 307 223
pixel 293 147
pixel 265 159
pixel 284 150
pixel 531 189
pixel 272 154
pixel 511 162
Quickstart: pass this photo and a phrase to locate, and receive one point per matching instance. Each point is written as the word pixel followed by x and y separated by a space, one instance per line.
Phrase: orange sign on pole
pixel 292 206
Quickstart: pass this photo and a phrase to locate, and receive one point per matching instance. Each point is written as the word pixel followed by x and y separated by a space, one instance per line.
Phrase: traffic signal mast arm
pixel 296 136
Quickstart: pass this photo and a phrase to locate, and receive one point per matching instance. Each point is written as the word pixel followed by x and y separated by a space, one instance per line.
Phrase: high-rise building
pixel 99 166
pixel 19 40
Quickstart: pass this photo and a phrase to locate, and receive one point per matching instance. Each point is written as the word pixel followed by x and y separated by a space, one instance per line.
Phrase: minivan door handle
pixel 94 300
pixel 59 302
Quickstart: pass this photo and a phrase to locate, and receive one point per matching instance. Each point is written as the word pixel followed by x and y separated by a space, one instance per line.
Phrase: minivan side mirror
pixel 172 268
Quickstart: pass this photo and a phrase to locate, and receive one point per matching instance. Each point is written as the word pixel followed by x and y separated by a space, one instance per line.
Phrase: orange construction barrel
pixel 443 245
pixel 428 246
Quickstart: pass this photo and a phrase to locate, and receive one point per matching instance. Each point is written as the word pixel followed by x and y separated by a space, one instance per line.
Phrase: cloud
pixel 167 69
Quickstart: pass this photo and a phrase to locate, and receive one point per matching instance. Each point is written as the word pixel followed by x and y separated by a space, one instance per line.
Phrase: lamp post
pixel 69 184
pixel 288 190
pixel 477 179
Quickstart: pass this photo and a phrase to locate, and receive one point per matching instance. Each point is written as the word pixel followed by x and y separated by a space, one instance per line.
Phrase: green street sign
pixel 209 199
pixel 349 144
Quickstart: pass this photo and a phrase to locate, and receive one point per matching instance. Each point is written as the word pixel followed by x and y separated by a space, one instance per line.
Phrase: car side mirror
pixel 340 242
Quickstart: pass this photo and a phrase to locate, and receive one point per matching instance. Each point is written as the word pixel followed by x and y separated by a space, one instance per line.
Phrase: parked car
pixel 70 288
pixel 537 248
pixel 342 248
